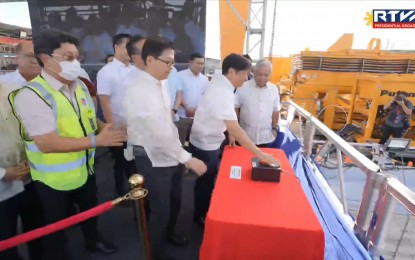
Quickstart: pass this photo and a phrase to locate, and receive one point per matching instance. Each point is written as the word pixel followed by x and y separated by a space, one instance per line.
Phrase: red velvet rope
pixel 51 228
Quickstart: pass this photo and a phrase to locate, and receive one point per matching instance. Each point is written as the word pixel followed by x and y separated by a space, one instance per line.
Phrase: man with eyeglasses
pixel 27 66
pixel 18 197
pixel 158 153
pixel 58 124
pixel 110 82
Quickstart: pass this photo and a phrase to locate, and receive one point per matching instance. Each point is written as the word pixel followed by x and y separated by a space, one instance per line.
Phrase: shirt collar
pixel 253 83
pixel 222 80
pixel 119 63
pixel 19 77
pixel 191 73
pixel 150 78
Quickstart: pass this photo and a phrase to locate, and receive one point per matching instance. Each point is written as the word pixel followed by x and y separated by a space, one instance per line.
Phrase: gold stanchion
pixel 137 195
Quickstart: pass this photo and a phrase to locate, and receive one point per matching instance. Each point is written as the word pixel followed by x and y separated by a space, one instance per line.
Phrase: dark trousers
pixel 25 205
pixel 55 206
pixel 264 145
pixel 123 169
pixel 204 184
pixel 387 131
pixel 164 185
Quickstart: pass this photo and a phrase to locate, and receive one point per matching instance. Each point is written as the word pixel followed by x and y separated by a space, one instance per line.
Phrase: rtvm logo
pixel 393 18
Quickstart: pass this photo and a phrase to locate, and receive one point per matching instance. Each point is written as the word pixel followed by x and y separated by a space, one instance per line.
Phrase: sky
pixel 299 24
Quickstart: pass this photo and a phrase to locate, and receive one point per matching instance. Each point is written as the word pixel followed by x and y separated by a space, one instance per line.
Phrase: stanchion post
pixel 136 183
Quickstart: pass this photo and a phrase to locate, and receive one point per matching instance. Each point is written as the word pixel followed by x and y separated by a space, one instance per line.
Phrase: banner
pixel 94 23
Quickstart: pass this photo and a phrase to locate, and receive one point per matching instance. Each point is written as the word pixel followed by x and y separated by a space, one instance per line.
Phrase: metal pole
pixel 323 149
pixel 136 183
pixel 372 183
pixel 248 29
pixel 308 139
pixel 341 179
pixel 264 19
pixel 381 218
pixel 300 127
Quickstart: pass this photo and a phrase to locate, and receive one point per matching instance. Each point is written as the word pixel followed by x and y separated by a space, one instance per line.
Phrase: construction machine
pixel 345 86
pixel 341 86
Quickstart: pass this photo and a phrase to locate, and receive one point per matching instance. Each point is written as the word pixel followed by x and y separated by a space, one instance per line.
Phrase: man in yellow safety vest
pixel 58 125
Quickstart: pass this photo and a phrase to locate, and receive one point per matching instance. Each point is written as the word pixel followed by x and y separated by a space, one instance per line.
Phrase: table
pixel 259 220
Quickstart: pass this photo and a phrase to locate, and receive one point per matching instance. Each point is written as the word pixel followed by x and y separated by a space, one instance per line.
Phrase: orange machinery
pixel 342 85
pixel 344 81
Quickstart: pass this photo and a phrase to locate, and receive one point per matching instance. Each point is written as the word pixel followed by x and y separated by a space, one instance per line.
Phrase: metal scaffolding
pixel 255 27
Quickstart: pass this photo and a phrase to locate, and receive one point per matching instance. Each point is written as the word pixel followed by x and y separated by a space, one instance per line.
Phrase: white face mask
pixel 70 69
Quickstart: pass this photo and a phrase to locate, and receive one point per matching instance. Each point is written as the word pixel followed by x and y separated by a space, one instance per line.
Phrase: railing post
pixel 341 180
pixel 308 139
pixel 323 149
pixel 382 215
pixel 373 181
pixel 137 181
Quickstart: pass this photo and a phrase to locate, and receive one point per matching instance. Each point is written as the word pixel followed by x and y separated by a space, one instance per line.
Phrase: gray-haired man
pixel 257 104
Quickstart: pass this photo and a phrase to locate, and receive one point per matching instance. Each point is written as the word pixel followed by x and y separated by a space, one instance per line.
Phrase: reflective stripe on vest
pixel 58 168
pixel 47 96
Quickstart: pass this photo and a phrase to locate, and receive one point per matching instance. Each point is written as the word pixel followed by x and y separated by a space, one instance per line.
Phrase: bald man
pixel 27 66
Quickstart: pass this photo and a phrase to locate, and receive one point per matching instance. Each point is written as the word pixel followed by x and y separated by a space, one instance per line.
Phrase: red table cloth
pixel 259 220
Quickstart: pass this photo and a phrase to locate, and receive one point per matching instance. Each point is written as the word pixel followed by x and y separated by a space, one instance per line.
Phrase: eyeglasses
pixel 169 63
pixel 68 57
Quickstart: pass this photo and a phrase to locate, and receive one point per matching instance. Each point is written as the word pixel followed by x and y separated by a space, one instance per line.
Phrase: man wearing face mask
pixel 58 125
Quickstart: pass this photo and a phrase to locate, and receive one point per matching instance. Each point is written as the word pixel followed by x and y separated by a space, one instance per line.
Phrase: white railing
pixel 391 190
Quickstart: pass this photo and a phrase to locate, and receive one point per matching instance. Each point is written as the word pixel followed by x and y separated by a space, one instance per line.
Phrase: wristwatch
pixel 275 128
pixel 174 110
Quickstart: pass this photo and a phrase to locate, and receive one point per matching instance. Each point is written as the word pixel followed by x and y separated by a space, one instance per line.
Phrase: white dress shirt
pixel 110 82
pixel 14 77
pixel 256 107
pixel 11 143
pixel 36 115
pixel 175 85
pixel 193 88
pixel 217 105
pixel 149 122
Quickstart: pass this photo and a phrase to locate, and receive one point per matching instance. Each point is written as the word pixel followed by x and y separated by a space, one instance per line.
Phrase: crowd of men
pixel 157 121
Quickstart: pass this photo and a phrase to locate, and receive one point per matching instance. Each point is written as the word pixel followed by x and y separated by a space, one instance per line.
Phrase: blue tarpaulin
pixel 340 241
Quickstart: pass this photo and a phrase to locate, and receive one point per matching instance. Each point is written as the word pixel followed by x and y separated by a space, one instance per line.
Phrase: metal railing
pixel 391 191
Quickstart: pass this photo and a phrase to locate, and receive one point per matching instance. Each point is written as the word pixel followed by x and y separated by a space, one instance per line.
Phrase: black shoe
pixel 178 240
pixel 200 221
pixel 102 246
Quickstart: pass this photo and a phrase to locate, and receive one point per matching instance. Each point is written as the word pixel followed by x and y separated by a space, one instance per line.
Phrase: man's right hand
pixel 190 112
pixel 110 137
pixel 268 158
pixel 232 140
pixel 196 165
pixel 16 173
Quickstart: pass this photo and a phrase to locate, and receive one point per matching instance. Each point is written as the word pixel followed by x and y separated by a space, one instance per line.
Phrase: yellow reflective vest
pixel 61 171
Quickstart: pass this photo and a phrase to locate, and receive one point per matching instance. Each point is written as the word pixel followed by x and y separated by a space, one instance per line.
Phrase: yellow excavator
pixel 341 86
